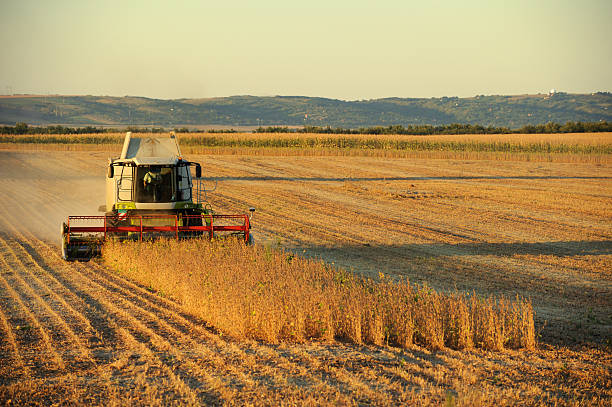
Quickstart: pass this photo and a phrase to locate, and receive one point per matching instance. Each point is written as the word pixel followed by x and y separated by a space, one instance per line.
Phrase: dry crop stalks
pixel 272 295
pixel 589 148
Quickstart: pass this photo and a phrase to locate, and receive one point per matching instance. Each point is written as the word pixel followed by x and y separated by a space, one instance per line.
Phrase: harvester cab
pixel 150 193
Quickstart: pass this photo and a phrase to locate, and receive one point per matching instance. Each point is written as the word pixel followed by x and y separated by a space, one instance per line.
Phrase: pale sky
pixel 343 49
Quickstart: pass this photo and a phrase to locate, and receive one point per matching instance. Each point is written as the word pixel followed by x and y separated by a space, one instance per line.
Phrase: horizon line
pixel 35 95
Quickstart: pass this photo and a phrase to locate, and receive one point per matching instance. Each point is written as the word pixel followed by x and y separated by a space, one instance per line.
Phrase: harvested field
pixel 79 333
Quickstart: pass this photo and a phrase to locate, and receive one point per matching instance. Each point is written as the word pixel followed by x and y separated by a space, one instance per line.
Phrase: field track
pixel 78 333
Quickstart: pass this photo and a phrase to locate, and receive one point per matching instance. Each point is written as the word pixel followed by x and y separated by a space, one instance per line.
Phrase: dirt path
pixel 77 333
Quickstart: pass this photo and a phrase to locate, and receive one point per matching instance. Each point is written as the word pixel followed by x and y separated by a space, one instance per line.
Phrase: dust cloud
pixel 39 190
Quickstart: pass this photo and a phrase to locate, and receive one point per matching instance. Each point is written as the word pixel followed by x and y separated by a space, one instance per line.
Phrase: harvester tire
pixel 64 242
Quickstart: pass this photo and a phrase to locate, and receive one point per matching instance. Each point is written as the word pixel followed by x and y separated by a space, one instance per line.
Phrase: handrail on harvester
pixel 208 225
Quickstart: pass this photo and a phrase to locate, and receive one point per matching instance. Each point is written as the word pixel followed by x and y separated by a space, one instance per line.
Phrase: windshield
pixel 154 183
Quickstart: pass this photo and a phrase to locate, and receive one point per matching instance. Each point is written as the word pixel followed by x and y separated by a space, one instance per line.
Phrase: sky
pixel 341 49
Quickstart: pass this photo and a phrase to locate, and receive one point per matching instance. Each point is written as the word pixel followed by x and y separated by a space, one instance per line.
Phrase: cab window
pixel 184 186
pixel 154 183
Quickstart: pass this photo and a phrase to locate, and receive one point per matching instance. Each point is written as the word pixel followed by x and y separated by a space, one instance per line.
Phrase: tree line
pixel 456 128
pixel 24 128
pixel 424 129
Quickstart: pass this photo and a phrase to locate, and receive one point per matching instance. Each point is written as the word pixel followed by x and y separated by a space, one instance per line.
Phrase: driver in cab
pixel 152 180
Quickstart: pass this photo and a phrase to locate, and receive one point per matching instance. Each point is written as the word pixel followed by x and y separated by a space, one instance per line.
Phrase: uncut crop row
pixel 332 142
pixel 272 295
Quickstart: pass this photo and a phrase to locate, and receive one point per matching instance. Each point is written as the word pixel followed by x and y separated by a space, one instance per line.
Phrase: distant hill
pixel 502 111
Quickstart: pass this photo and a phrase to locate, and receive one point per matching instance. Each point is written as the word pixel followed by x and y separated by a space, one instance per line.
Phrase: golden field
pixel 522 224
pixel 272 295
pixel 579 147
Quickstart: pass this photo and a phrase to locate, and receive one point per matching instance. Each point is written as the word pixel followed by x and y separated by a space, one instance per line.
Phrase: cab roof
pixel 148 150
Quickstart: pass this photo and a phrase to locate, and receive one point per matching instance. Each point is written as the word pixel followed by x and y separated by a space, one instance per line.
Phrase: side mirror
pixel 198 171
pixel 110 173
pixel 252 210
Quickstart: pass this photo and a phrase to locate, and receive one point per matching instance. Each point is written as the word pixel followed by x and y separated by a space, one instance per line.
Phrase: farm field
pixel 80 333
pixel 578 147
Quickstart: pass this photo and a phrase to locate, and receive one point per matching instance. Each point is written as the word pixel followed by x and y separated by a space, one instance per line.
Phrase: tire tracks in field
pixel 341 233
pixel 106 308
pixel 10 350
pixel 127 327
pixel 34 334
pixel 154 337
pixel 75 325
pixel 64 335
pixel 284 167
pixel 317 205
pixel 469 235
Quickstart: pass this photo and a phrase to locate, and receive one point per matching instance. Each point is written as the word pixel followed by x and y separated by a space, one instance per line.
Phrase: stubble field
pixel 78 332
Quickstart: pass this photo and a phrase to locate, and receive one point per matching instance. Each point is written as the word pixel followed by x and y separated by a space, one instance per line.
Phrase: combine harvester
pixel 150 193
